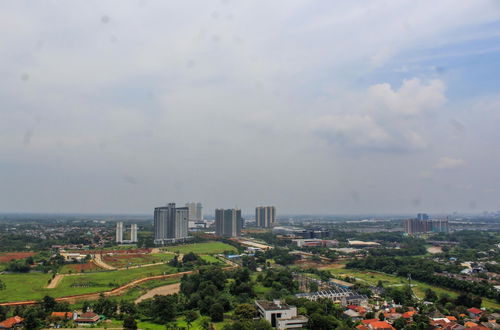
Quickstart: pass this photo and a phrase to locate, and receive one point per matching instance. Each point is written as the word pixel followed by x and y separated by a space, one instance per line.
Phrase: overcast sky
pixel 339 107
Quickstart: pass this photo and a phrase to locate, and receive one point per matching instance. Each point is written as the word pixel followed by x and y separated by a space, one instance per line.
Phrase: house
pixel 380 325
pixel 470 324
pixel 409 314
pixel 87 318
pixel 280 315
pixel 474 312
pixel 12 323
pixel 352 314
pixel 360 309
pixel 63 315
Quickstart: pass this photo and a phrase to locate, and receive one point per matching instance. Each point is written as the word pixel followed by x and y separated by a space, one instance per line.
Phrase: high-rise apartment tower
pixel 228 222
pixel 265 216
pixel 170 224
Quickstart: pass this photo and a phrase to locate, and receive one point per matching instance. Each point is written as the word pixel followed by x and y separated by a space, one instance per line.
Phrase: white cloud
pixel 384 119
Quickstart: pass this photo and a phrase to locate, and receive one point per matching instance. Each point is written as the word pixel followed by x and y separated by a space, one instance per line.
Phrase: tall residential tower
pixel 228 222
pixel 170 224
pixel 265 216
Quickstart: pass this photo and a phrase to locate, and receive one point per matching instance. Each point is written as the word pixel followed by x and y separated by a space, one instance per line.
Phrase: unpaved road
pixel 160 291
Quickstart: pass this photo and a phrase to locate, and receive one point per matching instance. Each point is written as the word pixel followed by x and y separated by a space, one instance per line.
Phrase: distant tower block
pixel 133 233
pixel 119 232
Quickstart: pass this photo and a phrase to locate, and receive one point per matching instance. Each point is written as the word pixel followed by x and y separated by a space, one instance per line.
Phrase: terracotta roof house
pixel 87 318
pixel 62 315
pixel 474 312
pixel 409 314
pixel 12 323
pixel 380 325
pixel 470 324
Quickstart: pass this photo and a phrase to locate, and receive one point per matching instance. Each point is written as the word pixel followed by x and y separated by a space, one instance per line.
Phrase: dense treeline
pixel 425 271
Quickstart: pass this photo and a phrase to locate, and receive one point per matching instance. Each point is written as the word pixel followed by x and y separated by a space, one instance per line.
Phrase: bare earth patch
pixel 160 291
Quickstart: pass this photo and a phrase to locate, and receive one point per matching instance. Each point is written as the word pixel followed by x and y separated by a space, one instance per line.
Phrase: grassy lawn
pixel 372 278
pixel 17 288
pixel 211 259
pixel 202 248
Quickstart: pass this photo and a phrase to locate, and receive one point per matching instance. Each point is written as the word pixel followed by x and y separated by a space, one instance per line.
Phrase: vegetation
pixel 211 247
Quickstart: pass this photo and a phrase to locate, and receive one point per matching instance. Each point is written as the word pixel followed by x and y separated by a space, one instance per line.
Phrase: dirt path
pixel 99 262
pixel 161 291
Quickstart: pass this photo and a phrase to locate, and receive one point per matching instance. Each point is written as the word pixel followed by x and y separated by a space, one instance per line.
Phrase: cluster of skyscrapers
pixel 120 230
pixel 422 224
pixel 171 223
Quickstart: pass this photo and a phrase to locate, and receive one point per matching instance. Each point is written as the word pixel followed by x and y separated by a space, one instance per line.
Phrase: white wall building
pixel 280 315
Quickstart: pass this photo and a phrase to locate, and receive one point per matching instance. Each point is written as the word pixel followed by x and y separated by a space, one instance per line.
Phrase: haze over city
pixel 340 108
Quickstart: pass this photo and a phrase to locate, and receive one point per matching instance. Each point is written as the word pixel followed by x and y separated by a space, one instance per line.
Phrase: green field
pixel 33 285
pixel 211 259
pixel 372 278
pixel 202 248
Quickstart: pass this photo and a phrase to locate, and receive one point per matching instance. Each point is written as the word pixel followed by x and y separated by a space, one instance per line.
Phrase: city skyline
pixel 97 106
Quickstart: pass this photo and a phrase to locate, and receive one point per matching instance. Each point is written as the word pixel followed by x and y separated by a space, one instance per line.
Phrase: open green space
pixel 33 285
pixel 372 278
pixel 211 259
pixel 124 260
pixel 202 248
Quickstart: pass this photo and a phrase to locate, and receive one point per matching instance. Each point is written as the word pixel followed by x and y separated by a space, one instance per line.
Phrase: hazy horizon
pixel 313 107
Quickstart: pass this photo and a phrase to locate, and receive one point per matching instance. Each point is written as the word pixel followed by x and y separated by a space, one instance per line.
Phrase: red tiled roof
pixel 380 325
pixel 409 314
pixel 451 318
pixel 63 315
pixel 369 321
pixel 475 310
pixel 11 322
pixel 470 324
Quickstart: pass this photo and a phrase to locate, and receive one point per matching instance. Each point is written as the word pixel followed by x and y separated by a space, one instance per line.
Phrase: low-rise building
pixel 87 318
pixel 14 322
pixel 280 315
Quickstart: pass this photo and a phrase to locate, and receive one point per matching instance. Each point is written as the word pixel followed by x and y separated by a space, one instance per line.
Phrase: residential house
pixel 87 318
pixel 12 323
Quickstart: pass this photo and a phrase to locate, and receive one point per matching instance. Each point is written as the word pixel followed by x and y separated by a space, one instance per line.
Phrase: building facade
pixel 228 222
pixel 170 224
pixel 133 233
pixel 119 232
pixel 280 315
pixel 422 224
pixel 195 211
pixel 265 216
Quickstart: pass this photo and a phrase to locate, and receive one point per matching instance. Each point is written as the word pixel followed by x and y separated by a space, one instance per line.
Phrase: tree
pixel 2 285
pixel 370 315
pixel 48 304
pixel 381 316
pixel 313 287
pixel 430 295
pixel 217 313
pixel 245 311
pixel 191 316
pixel 129 323
pixel 399 323
pixel 318 321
